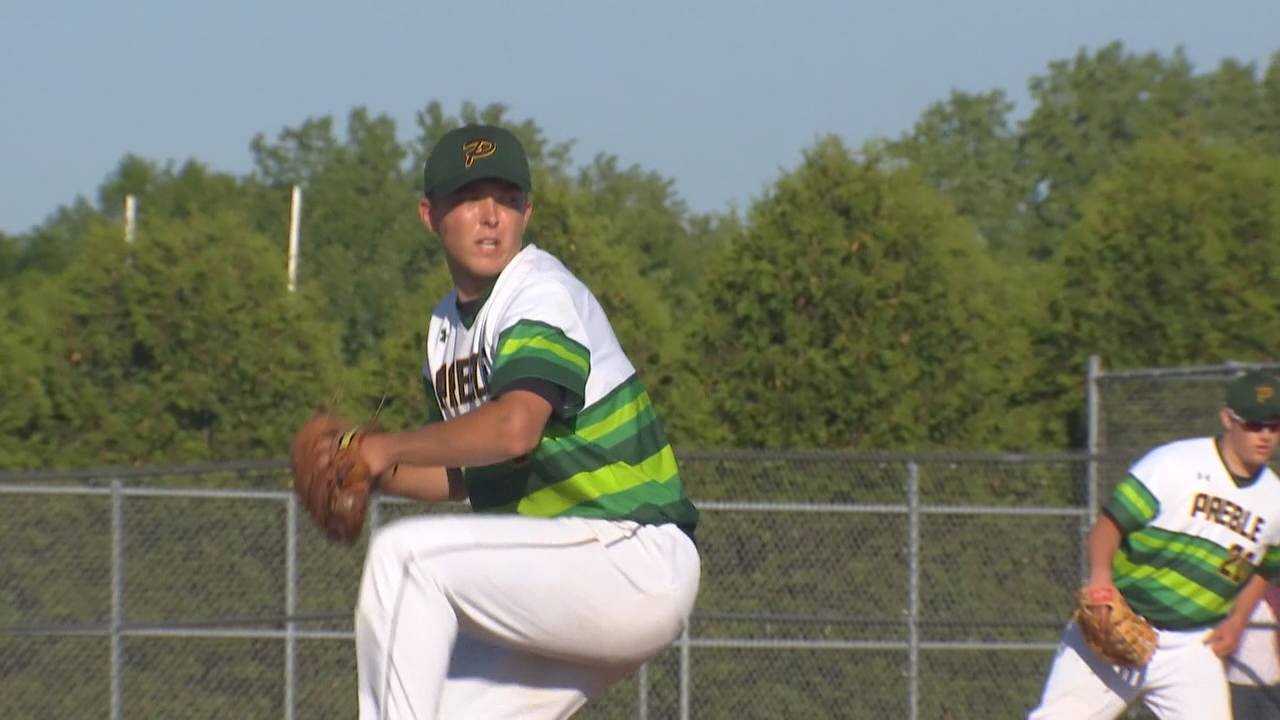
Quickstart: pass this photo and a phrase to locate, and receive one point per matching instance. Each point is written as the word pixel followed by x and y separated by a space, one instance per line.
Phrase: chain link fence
pixel 1132 411
pixel 841 585
pixel 836 585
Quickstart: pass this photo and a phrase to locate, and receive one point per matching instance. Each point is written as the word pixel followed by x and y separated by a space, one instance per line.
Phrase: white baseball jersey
pixel 1194 533
pixel 603 454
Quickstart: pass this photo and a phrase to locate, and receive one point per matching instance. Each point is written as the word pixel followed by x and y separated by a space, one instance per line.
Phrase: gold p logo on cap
pixel 475 149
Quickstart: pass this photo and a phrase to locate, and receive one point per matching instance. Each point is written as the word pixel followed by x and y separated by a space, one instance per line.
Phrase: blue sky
pixel 719 95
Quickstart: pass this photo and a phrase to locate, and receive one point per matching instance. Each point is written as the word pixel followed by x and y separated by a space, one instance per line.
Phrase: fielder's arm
pixel 1224 639
pixel 425 484
pixel 1104 541
pixel 1247 600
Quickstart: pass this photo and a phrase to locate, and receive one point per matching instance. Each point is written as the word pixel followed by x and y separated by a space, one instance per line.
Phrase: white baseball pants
pixel 1183 681
pixel 501 616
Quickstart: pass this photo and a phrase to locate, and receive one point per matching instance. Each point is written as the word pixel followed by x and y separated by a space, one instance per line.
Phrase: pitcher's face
pixel 481 227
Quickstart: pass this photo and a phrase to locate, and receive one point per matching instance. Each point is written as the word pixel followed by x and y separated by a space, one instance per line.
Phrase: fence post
pixel 684 674
pixel 913 591
pixel 1093 408
pixel 1093 400
pixel 643 700
pixel 117 599
pixel 290 605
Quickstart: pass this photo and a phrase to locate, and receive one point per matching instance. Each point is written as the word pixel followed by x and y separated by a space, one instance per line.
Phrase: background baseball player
pixel 578 564
pixel 1181 539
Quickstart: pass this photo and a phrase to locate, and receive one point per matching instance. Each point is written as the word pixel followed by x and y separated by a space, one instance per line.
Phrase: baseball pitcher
pixel 578 564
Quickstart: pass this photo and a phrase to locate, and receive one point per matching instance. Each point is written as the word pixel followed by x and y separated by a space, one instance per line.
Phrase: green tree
pixel 9 254
pixel 1270 112
pixel 641 212
pixel 389 381
pixel 50 247
pixel 1234 104
pixel 1088 112
pixel 183 346
pixel 28 338
pixel 169 191
pixel 857 311
pixel 176 192
pixel 1174 258
pixel 361 242
pixel 967 150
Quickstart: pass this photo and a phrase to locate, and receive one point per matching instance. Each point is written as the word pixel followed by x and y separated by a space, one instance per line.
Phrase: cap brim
pixel 451 185
pixel 1266 416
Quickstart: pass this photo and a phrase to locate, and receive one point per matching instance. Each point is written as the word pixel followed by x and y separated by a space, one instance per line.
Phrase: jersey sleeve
pixel 540 336
pixel 1132 505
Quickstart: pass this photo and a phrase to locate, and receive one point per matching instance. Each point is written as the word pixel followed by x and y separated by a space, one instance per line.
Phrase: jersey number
pixel 1238 566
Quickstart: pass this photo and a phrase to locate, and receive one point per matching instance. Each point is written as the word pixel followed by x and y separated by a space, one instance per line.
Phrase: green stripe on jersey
pixel 611 460
pixel 531 349
pixel 1175 580
pixel 562 457
pixel 1132 505
pixel 607 486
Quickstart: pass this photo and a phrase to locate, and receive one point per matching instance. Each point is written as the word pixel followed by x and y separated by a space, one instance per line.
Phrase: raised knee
pixel 384 543
pixel 396 543
pixel 397 551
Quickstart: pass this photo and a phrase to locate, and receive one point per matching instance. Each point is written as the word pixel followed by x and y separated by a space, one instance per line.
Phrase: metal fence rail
pixel 202 591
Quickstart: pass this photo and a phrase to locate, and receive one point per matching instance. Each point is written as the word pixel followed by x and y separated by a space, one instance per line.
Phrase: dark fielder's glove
pixel 330 477
pixel 1124 638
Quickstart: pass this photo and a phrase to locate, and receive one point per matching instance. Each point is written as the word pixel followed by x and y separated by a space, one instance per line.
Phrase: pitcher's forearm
pixel 425 484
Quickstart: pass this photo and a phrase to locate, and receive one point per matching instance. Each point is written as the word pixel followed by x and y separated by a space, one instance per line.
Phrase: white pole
pixel 295 218
pixel 130 217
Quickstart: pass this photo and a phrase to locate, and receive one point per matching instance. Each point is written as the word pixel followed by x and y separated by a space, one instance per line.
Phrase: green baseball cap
pixel 475 152
pixel 1255 397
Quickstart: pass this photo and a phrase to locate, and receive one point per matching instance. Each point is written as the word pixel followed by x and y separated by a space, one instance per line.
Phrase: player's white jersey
pixel 1198 496
pixel 1194 534
pixel 604 453
pixel 536 287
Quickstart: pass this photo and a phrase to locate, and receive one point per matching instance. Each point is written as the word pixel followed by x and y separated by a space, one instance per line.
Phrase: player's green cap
pixel 1255 397
pixel 475 152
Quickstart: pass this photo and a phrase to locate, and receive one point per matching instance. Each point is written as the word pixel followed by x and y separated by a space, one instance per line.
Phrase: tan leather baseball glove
pixel 330 477
pixel 1125 638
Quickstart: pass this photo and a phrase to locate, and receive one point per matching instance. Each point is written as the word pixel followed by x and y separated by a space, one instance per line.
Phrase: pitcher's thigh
pixel 546 586
pixel 488 681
